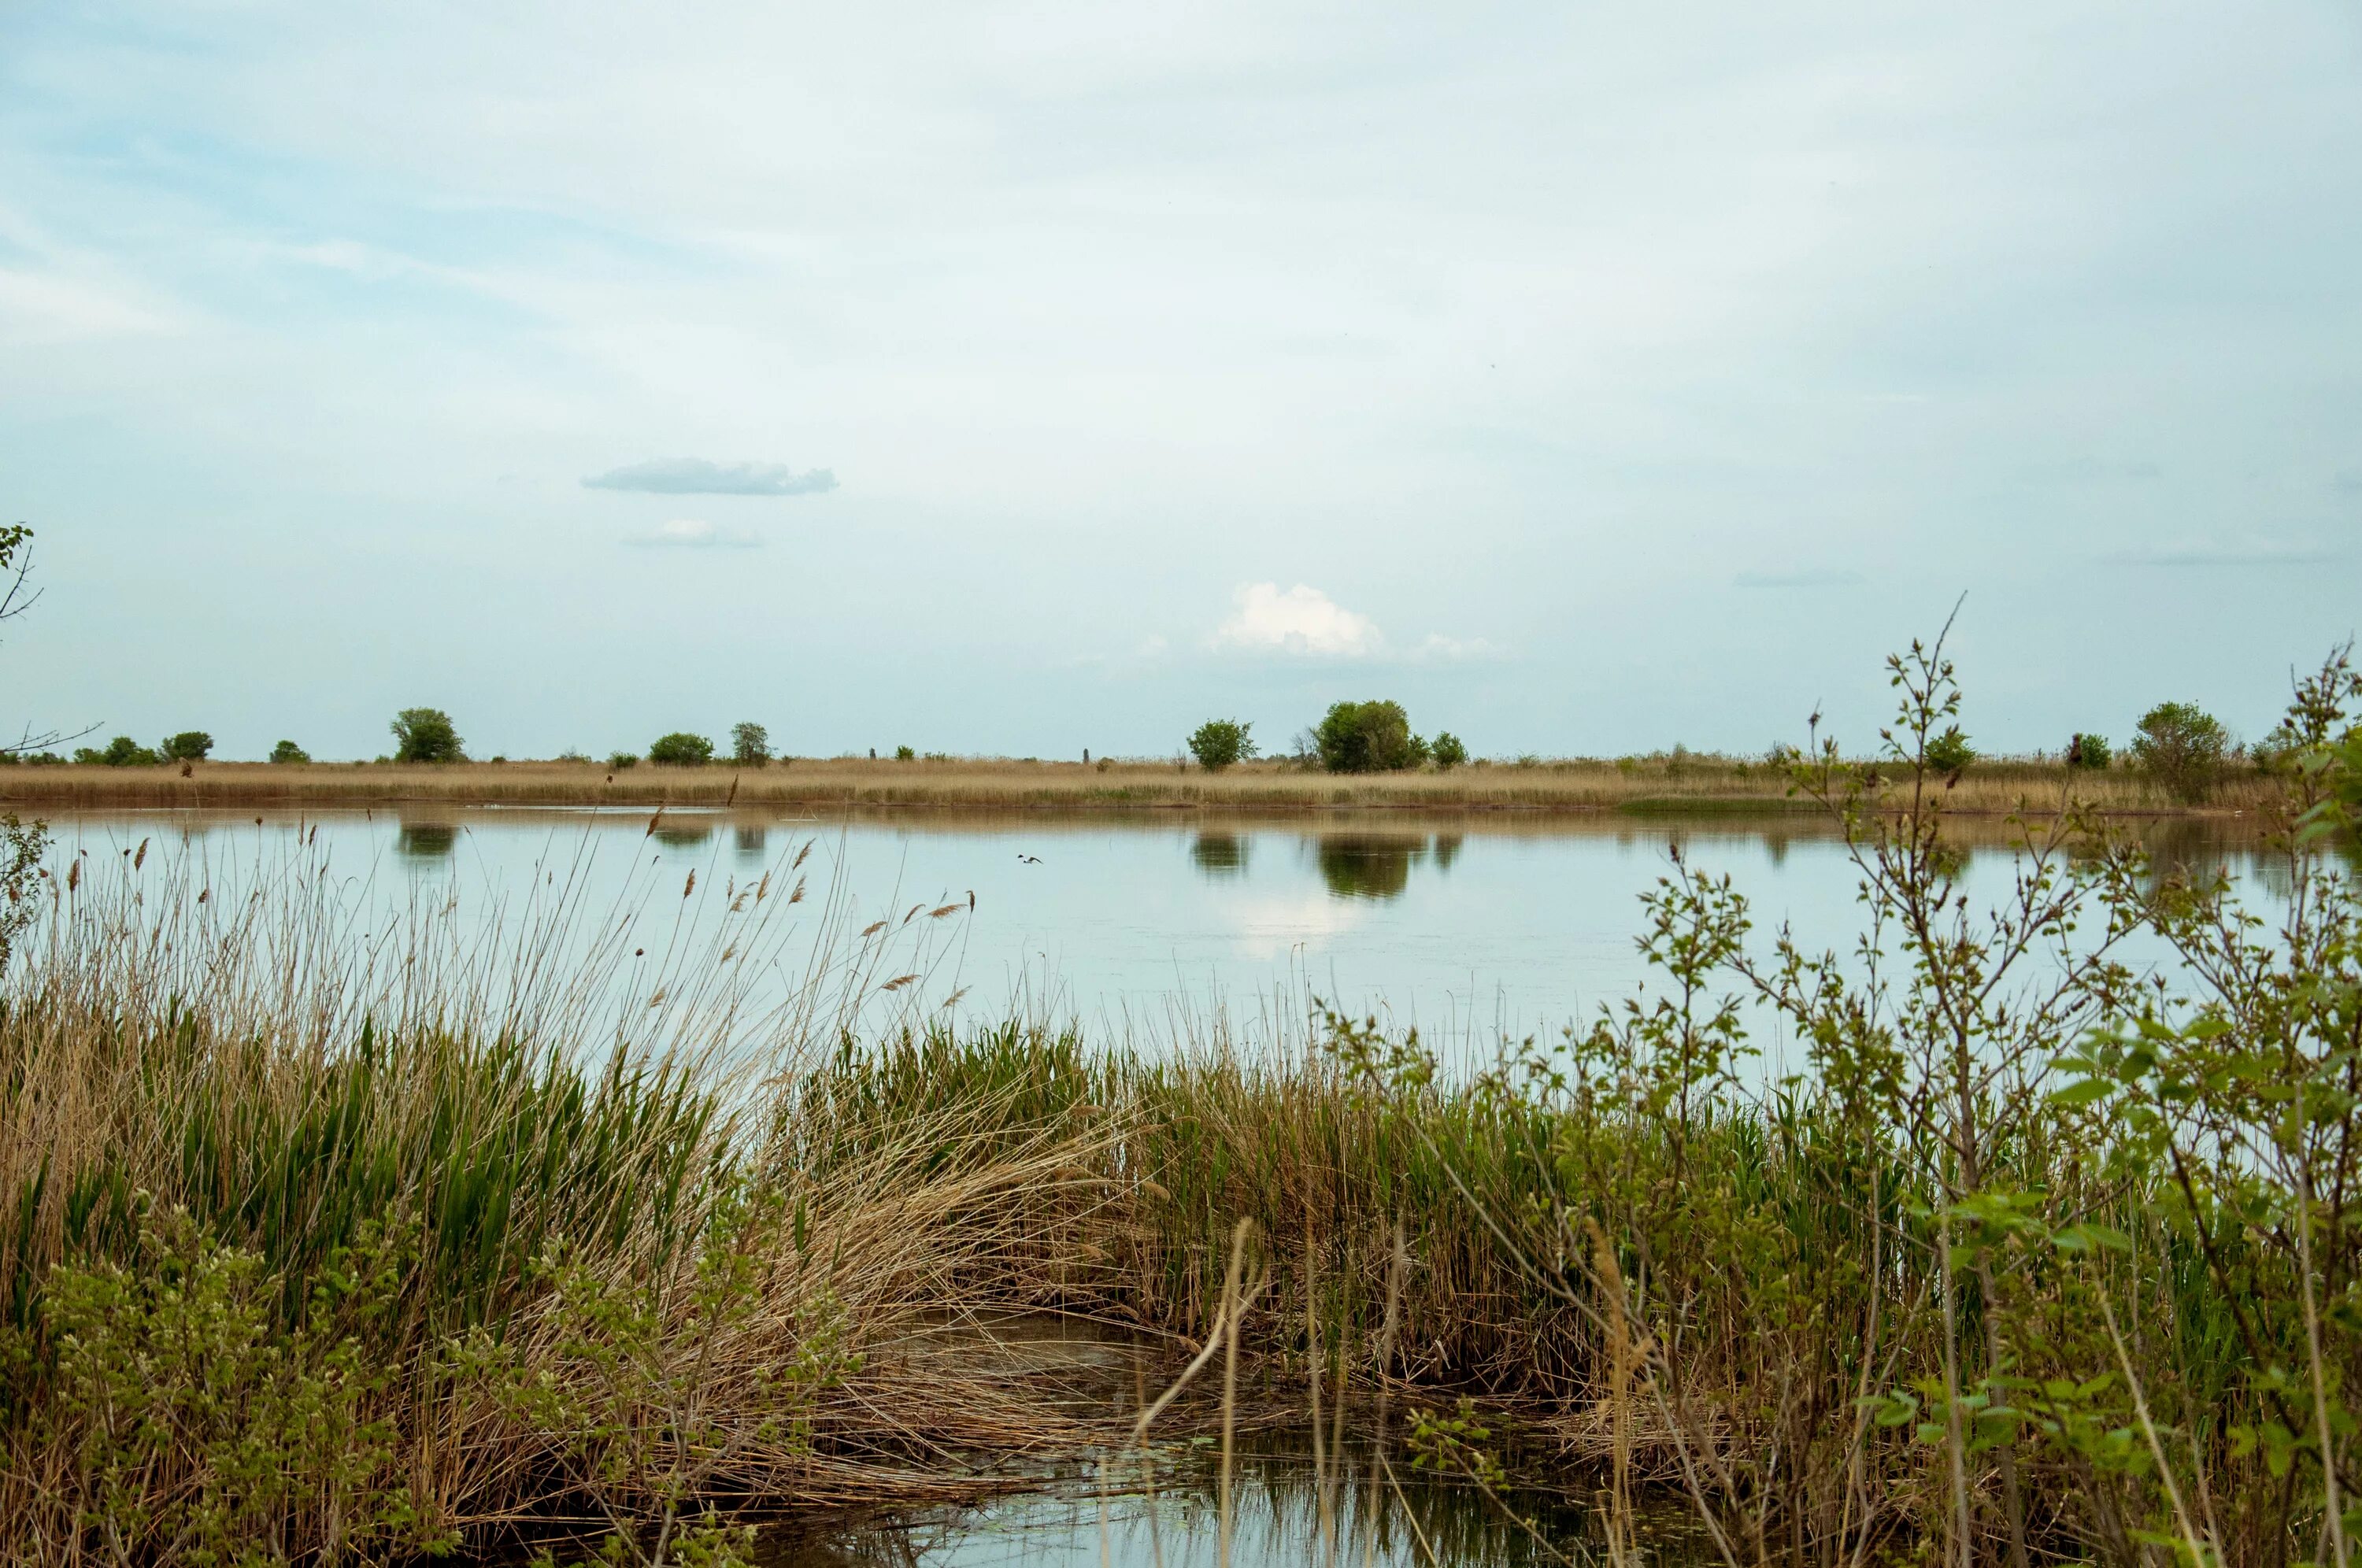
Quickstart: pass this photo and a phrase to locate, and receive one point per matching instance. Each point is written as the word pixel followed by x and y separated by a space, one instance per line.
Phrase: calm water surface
pixel 1277 1518
pixel 1465 924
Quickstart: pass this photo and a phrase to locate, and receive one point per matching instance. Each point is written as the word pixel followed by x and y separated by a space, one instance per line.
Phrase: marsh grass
pixel 1652 784
pixel 327 1238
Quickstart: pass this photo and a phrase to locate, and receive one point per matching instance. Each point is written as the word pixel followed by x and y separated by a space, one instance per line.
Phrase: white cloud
pixel 700 476
pixel 1301 621
pixel 695 533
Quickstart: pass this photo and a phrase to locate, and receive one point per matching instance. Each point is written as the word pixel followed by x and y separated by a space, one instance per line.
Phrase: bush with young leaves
pixel 680 749
pixel 1221 743
pixel 2183 748
pixel 750 743
pixel 1367 737
pixel 426 734
pixel 200 1428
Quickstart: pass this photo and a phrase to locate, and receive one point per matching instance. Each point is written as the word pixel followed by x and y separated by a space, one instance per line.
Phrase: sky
pixel 1018 379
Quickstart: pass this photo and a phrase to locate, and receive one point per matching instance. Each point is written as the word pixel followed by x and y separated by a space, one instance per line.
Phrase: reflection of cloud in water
pixel 1219 853
pixel 1270 925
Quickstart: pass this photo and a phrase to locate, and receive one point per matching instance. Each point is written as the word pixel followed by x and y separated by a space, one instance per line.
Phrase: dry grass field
pixel 1644 786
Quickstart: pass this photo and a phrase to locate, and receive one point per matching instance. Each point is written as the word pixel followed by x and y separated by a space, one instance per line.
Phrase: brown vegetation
pixel 1641 785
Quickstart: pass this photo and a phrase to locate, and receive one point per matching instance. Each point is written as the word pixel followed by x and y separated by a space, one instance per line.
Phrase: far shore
pixel 1677 786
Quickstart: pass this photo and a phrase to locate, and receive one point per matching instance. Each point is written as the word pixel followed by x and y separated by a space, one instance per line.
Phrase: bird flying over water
pixel 1029 860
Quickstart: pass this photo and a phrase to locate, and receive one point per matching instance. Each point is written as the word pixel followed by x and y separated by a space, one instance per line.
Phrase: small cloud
pixel 2260 553
pixel 695 533
pixel 1810 577
pixel 1301 621
pixel 698 476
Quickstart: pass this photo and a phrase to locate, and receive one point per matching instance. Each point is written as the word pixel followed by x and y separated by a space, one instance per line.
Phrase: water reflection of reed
pixel 1276 1519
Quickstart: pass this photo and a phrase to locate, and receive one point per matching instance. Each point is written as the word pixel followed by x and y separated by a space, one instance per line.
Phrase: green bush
pixel 2181 747
pixel 620 760
pixel 680 749
pixel 750 743
pixel 1367 737
pixel 2091 752
pixel 22 847
pixel 1447 751
pixel 189 745
pixel 904 754
pixel 288 751
pixel 1218 743
pixel 1949 752
pixel 120 752
pixel 425 734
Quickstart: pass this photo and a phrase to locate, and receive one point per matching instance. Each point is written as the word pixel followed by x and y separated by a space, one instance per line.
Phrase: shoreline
pixel 1582 789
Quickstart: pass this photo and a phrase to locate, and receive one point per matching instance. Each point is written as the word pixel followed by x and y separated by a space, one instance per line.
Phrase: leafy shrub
pixel 197 1418
pixel 189 745
pixel 2091 752
pixel 2181 747
pixel 575 756
pixel 904 754
pixel 288 751
pixel 21 847
pixel 425 734
pixel 1218 743
pixel 1447 751
pixel 120 752
pixel 680 749
pixel 620 760
pixel 1949 752
pixel 1367 737
pixel 750 743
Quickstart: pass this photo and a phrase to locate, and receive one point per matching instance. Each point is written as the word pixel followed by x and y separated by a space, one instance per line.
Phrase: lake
pixel 1468 924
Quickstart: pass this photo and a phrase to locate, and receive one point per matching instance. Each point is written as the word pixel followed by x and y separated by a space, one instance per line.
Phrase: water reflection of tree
pixel 425 841
pixel 683 836
pixel 1364 866
pixel 1447 850
pixel 2198 852
pixel 751 837
pixel 1219 853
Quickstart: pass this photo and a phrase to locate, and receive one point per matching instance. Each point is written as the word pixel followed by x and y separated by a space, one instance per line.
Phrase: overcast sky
pixel 1017 379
